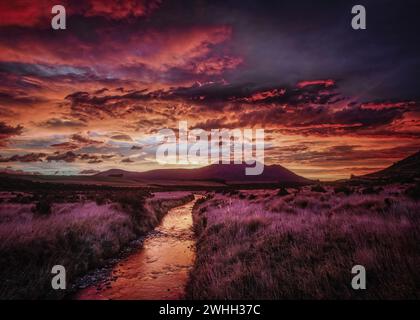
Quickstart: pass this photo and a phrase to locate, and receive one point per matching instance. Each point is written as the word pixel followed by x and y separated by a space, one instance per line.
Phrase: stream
pixel 159 270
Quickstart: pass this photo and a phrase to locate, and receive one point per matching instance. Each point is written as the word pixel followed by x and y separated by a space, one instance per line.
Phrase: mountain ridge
pixel 407 168
pixel 222 172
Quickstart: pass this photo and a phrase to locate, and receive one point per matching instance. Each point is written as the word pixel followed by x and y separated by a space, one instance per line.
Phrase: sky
pixel 333 101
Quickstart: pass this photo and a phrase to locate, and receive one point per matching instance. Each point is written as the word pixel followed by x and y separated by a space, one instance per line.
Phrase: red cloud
pixel 176 48
pixel 325 83
pixel 264 95
pixel 144 55
pixel 117 9
pixel 215 65
pixel 389 105
pixel 27 13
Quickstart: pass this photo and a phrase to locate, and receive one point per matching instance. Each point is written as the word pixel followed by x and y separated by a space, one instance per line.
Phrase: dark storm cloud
pixel 85 105
pixel 288 41
pixel 319 93
pixel 65 146
pixel 313 107
pixel 76 141
pixel 84 140
pixel 277 41
pixel 30 157
pixel 293 40
pixel 8 131
pixel 367 117
pixel 19 98
pixel 71 156
pixel 67 157
pixel 318 120
pixel 348 154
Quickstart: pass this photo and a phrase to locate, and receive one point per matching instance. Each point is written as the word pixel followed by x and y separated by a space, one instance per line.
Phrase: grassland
pixel 302 243
pixel 76 229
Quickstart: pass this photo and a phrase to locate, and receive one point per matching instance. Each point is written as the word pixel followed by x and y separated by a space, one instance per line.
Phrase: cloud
pixel 89 172
pixel 7 131
pixel 324 83
pixel 139 66
pixel 90 158
pixel 85 105
pixel 317 93
pixel 30 157
pixel 76 141
pixel 20 98
pixel 42 70
pixel 78 138
pixel 57 123
pixel 122 137
pixel 66 145
pixel 71 156
pixel 25 14
pixel 213 65
pixel 115 9
pixel 67 157
pixel 311 107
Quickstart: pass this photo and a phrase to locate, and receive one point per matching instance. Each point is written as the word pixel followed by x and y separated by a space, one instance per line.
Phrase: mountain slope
pixel 408 168
pixel 221 172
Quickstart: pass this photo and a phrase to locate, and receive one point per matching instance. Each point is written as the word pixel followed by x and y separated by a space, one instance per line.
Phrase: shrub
pixel 343 189
pixel 414 192
pixel 43 207
pixel 372 190
pixel 318 188
pixel 282 192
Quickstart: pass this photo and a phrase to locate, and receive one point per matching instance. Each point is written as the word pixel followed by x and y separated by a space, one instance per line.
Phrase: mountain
pixel 408 168
pixel 215 172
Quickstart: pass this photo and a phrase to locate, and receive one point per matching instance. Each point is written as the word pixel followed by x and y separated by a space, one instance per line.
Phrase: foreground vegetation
pixel 302 243
pixel 78 230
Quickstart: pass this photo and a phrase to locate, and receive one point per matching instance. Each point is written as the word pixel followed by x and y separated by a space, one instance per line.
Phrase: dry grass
pixel 303 244
pixel 78 235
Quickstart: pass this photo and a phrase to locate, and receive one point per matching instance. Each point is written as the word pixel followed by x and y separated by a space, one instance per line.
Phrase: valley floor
pixel 303 243
pixel 77 230
pixel 288 243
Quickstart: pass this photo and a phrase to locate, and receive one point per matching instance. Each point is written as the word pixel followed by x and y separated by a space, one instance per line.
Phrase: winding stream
pixel 159 270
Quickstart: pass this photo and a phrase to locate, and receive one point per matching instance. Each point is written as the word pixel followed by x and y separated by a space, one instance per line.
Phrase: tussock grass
pixel 79 235
pixel 304 245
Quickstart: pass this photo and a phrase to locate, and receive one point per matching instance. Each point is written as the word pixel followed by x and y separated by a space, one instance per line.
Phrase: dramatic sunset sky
pixel 333 101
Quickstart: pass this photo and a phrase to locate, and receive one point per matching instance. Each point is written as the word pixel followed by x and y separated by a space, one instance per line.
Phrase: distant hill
pixel 406 169
pixel 216 172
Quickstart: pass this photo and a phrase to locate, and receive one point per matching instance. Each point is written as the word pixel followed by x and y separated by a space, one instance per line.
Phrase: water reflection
pixel 160 269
